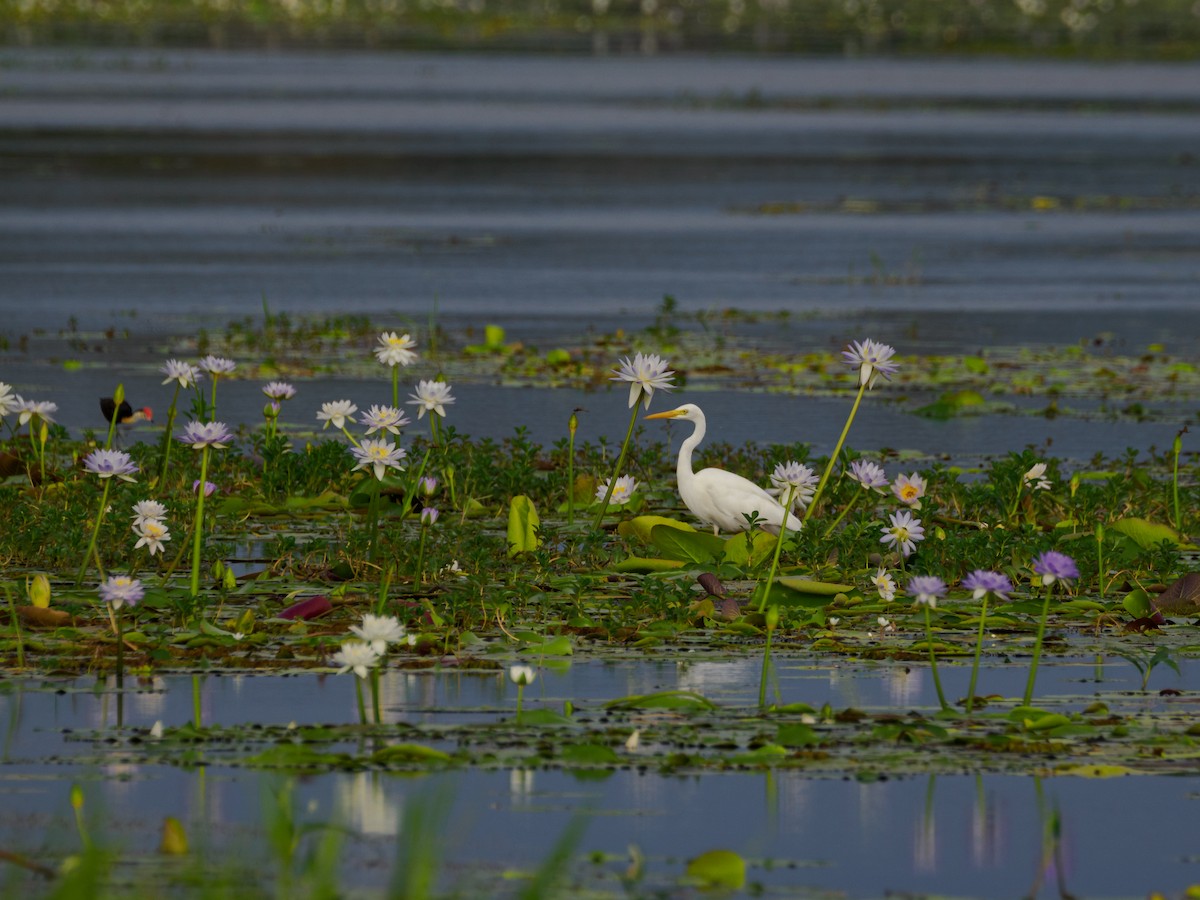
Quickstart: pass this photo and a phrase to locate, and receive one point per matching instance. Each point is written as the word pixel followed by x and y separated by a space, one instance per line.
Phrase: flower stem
pixel 612 482
pixel 95 532
pixel 198 527
pixel 166 456
pixel 833 457
pixel 120 643
pixel 772 618
pixel 375 696
pixel 841 515
pixel 762 604
pixel 978 653
pixel 572 425
pixel 937 681
pixel 396 387
pixel 197 717
pixel 362 708
pixel 420 573
pixel 1037 650
pixel 212 410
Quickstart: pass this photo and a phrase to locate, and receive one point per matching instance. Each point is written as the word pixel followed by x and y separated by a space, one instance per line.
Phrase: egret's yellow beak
pixel 669 414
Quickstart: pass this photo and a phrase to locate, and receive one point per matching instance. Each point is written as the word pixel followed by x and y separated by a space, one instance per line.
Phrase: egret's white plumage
pixel 719 498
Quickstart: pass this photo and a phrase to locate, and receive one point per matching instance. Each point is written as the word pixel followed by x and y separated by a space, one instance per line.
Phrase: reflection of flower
pixel 873 359
pixel 110 463
pixel 1054 566
pixel 151 535
pixel 206 434
pixel 381 455
pixel 357 656
pixel 379 631
pixel 521 675
pixel 798 478
pixel 645 372
pixel 384 418
pixel 909 489
pixel 121 590
pixel 926 589
pixel 904 532
pixel 870 475
pixel 182 372
pixel 622 491
pixel 395 349
pixel 431 396
pixel 337 413
pixel 885 584
pixel 279 390
pixel 1035 477
pixel 981 583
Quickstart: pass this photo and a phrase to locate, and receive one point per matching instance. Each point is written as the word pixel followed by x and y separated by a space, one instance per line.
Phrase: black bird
pixel 124 414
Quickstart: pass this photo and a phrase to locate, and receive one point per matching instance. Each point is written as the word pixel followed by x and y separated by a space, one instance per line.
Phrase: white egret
pixel 719 498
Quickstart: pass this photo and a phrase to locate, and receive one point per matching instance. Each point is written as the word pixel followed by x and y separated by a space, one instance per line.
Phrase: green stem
pixel 520 700
pixel 833 457
pixel 778 547
pixel 198 527
pixel 978 653
pixel 375 696
pixel 937 681
pixel 166 457
pixel 120 644
pixel 362 709
pixel 95 532
pixel 571 426
pixel 212 410
pixel 1037 650
pixel 385 581
pixel 762 683
pixel 420 573
pixel 197 718
pixel 373 520
pixel 612 482
pixel 396 387
pixel 16 624
pixel 841 515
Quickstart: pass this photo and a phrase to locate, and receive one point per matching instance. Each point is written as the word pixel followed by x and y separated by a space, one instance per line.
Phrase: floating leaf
pixel 689 546
pixel 798 735
pixel 1145 533
pixel 640 526
pixel 718 869
pixel 681 700
pixel 522 526
pixel 409 753
pixel 556 646
pixel 642 564
pixel 1137 603
pixel 1181 598
pixel 954 403
pixel 589 755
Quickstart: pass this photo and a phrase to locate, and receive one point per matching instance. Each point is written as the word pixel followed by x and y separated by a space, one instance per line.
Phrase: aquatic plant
pixel 926 590
pixel 184 375
pixel 1052 566
pixel 645 374
pixel 520 676
pixel 106 465
pixel 396 351
pixel 873 360
pixel 202 436
pixel 903 533
pixel 983 586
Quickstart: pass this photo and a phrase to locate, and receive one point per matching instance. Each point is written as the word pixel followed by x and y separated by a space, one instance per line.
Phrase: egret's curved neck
pixel 684 468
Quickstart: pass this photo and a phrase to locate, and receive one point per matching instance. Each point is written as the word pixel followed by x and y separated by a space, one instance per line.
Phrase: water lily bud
pixel 271 410
pixel 1177 444
pixel 119 395
pixel 76 797
pixel 38 588
pixel 1074 484
pixel 1100 532
pixel 429 485
pixel 772 618
pixel 229 580
pixel 573 424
